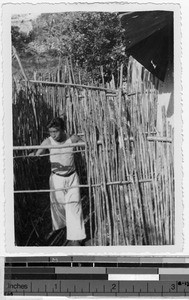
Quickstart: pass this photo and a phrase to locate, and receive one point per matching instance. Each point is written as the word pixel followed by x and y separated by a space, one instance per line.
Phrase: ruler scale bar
pixel 119 265
pixel 95 287
pixel 99 270
pixel 96 276
pixel 129 259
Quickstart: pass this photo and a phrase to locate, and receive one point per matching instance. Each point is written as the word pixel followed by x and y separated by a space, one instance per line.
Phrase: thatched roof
pixel 149 39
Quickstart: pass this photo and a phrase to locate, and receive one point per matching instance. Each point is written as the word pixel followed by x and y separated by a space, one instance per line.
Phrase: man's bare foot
pixel 49 235
pixel 73 243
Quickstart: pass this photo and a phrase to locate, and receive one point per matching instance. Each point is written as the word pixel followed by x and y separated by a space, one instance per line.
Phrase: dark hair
pixel 57 123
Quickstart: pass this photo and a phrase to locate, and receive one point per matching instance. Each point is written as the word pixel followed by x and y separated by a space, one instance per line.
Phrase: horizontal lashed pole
pixel 74 85
pixel 82 144
pixel 82 186
pixel 159 139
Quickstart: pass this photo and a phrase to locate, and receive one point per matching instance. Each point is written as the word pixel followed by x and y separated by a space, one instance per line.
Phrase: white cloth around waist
pixel 62 159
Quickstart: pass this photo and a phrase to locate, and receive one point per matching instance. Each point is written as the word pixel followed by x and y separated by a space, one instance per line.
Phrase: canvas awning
pixel 149 39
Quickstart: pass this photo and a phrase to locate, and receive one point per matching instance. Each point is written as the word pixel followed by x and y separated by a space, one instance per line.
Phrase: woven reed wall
pixel 130 198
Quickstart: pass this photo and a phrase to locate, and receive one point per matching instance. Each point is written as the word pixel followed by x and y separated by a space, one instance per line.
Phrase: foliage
pixel 20 40
pixel 92 40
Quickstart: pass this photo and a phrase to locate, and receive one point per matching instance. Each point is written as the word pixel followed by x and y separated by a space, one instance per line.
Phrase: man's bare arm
pixel 41 151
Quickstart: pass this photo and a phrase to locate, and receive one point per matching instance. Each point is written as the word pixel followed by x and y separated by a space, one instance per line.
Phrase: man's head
pixel 56 128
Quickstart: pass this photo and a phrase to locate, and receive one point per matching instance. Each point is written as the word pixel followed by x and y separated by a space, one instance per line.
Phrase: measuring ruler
pixel 96 276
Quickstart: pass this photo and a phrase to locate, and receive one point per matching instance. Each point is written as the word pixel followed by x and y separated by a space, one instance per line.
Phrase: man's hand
pixel 32 154
pixel 77 139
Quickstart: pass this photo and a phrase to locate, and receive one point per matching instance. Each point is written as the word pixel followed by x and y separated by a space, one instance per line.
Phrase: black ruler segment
pixel 57 276
pixel 82 264
pixel 104 264
pixel 96 276
pixel 46 264
pixel 153 264
pixel 22 270
pixel 15 264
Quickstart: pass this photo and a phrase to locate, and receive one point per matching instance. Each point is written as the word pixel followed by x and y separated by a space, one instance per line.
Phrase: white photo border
pixel 8 10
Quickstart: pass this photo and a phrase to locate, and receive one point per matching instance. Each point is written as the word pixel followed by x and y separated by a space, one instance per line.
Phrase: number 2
pixel 113 287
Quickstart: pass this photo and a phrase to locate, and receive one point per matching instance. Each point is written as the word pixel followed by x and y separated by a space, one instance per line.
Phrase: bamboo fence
pixel 126 166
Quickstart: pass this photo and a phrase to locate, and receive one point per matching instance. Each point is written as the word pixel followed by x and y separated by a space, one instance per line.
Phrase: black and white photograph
pixel 93 127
